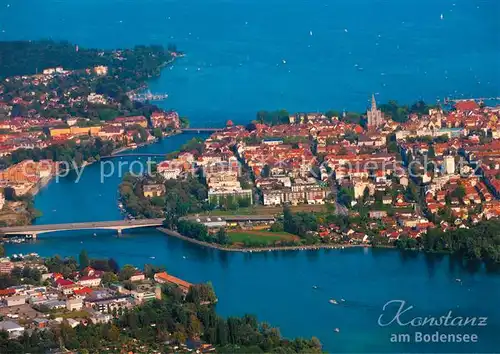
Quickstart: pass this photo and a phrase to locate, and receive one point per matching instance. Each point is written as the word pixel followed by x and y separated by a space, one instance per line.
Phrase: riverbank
pixel 40 184
pixel 140 145
pixel 257 249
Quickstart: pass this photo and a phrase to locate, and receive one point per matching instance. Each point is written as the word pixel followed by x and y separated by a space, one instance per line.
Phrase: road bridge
pixel 201 130
pixel 119 226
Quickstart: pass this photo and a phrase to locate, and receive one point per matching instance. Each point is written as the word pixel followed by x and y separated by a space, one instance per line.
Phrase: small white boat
pixel 310 33
pixel 458 280
pixel 95 234
pixel 152 257
pixel 345 30
pixel 337 330
pixel 315 286
pixel 284 61
pixel 442 17
pixel 333 301
pixel 342 300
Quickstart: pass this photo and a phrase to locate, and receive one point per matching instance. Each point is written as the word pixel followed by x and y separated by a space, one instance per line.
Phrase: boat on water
pixel 333 301
pixel 315 286
pixel 337 330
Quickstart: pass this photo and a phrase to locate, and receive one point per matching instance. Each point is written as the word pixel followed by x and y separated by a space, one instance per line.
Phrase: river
pixel 288 289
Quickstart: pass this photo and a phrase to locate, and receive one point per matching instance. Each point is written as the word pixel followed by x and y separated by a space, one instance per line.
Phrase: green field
pixel 263 210
pixel 260 236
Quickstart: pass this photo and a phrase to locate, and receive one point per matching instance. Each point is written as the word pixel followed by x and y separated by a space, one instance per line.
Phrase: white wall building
pixel 449 165
pixel 12 328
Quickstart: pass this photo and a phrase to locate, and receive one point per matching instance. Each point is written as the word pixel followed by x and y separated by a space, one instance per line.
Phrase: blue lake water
pixel 243 56
pixel 235 49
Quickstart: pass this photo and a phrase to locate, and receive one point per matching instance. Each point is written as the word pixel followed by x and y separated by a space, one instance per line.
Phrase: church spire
pixel 374 103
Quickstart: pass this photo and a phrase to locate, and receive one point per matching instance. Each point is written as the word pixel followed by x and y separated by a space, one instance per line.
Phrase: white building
pixel 449 165
pixel 15 301
pixel 2 200
pixel 12 328
pixel 74 304
pixel 96 99
pixel 272 197
pixel 169 171
pixel 90 281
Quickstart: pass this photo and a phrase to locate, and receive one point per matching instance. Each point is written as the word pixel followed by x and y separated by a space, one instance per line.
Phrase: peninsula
pixel 63 106
pixel 427 179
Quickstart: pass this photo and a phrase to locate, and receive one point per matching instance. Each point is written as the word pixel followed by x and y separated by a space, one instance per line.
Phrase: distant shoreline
pixel 257 249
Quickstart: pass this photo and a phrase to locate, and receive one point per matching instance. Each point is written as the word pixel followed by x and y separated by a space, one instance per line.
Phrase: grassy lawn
pixel 260 236
pixel 263 210
pixel 72 314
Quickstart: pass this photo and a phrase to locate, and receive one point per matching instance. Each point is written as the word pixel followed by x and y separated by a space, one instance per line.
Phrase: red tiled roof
pixel 64 282
pixel 83 291
pixel 6 292
pixel 171 279
pixel 466 106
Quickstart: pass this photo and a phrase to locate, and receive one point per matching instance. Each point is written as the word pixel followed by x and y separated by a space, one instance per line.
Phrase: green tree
pixel 109 278
pixel 222 237
pixel 84 260
pixel 126 272
pixel 157 133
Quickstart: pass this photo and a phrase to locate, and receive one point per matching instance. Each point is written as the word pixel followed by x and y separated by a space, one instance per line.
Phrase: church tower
pixel 374 115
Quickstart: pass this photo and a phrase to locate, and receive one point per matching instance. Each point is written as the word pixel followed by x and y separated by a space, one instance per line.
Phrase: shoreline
pixel 140 145
pixel 43 182
pixel 258 249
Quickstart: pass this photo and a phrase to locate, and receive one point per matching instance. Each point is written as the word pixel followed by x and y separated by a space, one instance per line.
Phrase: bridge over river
pixel 119 226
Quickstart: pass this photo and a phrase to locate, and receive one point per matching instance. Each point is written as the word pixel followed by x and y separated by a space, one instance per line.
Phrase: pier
pixel 147 96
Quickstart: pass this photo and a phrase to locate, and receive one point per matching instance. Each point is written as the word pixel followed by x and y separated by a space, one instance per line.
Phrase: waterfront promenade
pixel 256 249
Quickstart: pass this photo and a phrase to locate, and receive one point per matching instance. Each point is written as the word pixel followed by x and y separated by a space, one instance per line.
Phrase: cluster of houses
pixel 27 174
pixel 81 299
pixel 23 125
